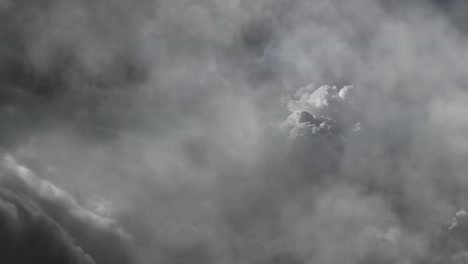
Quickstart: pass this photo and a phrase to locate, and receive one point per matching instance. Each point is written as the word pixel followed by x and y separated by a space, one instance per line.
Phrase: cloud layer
pixel 191 123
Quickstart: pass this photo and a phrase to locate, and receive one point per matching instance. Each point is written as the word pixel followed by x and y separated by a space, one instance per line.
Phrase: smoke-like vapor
pixel 162 131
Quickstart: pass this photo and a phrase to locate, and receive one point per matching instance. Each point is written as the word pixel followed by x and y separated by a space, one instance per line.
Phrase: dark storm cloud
pixel 164 108
pixel 43 224
pixel 30 236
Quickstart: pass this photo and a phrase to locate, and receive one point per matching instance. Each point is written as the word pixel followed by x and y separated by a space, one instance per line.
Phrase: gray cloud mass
pixel 216 131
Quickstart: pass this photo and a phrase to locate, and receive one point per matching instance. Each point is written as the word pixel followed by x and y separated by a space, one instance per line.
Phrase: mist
pixel 267 131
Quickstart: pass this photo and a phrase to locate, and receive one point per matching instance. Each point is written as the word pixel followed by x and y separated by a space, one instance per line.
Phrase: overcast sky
pixel 233 131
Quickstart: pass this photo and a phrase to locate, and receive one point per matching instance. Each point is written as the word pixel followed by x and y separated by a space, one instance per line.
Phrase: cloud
pixel 159 106
pixel 312 99
pixel 33 207
pixel 30 236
